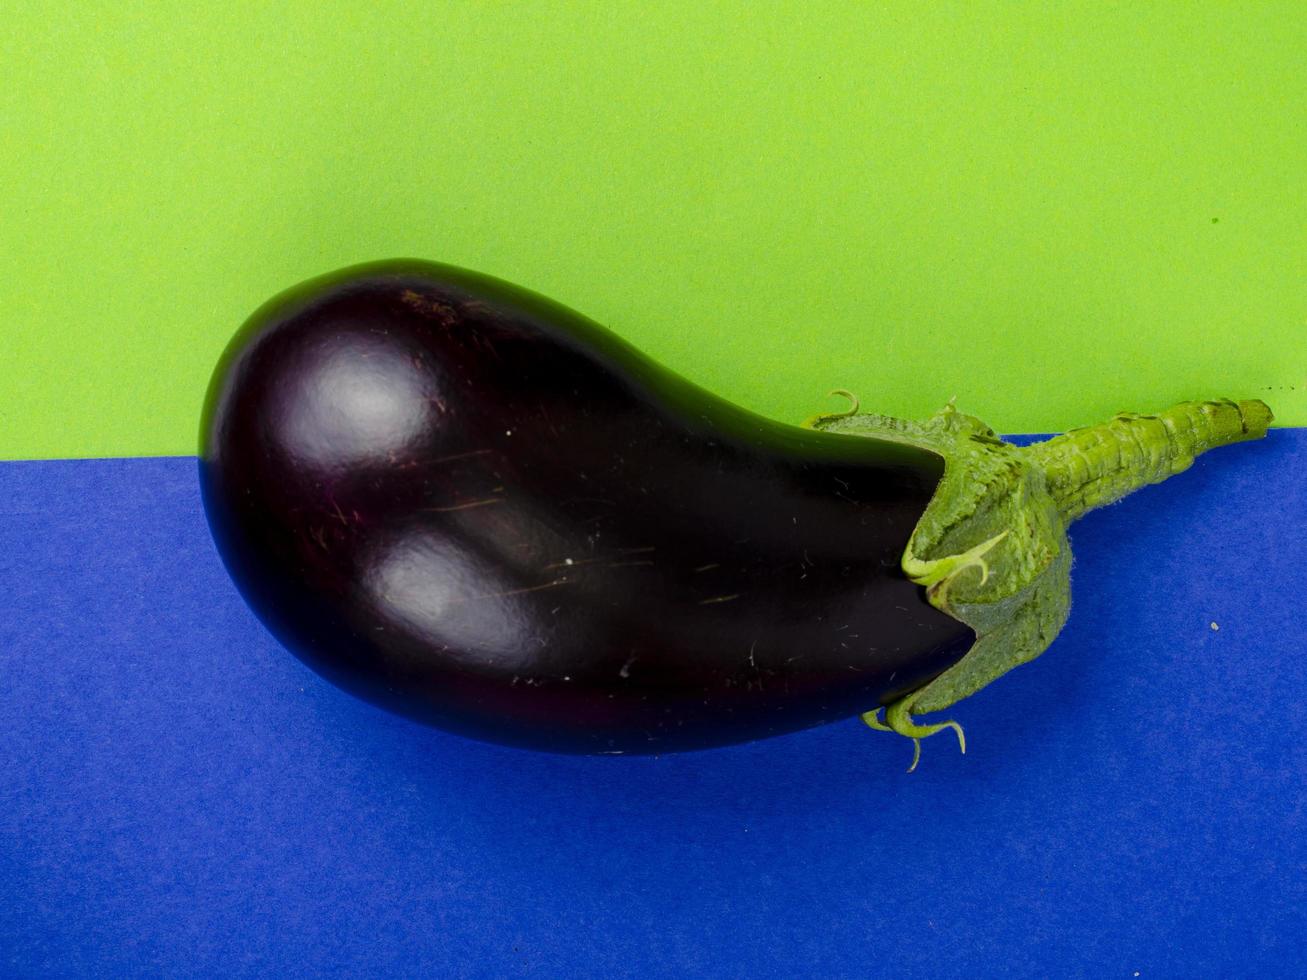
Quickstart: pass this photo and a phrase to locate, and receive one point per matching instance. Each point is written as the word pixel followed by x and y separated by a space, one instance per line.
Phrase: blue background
pixel 179 796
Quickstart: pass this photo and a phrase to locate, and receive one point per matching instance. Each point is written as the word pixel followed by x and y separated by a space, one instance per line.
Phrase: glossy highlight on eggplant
pixel 473 506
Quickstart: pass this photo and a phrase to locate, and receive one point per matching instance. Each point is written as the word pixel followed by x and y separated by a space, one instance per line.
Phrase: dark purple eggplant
pixel 473 506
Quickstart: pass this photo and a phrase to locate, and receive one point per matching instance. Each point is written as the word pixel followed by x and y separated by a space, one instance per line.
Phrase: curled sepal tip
pixel 854 404
pixel 898 719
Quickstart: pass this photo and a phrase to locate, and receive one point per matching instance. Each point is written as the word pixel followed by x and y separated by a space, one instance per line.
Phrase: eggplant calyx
pixel 1005 509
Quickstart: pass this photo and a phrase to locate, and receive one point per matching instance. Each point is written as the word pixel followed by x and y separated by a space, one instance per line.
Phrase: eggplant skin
pixel 473 506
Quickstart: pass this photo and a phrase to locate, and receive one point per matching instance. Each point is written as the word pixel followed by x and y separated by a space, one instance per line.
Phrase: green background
pixel 1052 211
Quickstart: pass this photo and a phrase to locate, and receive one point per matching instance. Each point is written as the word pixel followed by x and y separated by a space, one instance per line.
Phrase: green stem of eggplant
pixel 991 549
pixel 1095 466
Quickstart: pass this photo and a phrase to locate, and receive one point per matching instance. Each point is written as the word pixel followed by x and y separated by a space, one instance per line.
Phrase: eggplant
pixel 470 505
